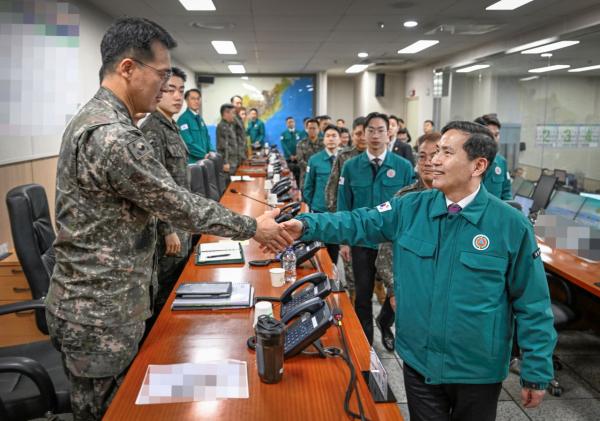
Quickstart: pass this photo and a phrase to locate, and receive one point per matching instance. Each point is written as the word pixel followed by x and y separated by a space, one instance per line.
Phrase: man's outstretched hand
pixel 271 235
pixel 293 227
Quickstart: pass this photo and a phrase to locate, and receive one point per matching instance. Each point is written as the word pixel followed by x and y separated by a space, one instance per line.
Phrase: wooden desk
pixel 578 271
pixel 312 388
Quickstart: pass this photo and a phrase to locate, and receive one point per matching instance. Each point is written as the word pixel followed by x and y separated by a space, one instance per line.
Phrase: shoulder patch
pixel 184 127
pixel 307 169
pixel 384 207
pixel 341 182
pixel 537 253
pixel 139 148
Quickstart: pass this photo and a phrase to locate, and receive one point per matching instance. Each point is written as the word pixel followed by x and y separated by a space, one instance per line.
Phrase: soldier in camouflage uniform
pixel 359 144
pixel 110 187
pixel 307 148
pixel 384 260
pixel 162 132
pixel 240 129
pixel 227 141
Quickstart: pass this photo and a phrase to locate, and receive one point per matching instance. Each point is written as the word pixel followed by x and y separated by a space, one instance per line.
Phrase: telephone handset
pixel 304 250
pixel 288 212
pixel 295 301
pixel 310 326
pixel 281 188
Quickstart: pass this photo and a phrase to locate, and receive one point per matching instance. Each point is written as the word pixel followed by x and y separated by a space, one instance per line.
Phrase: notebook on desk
pixel 219 253
pixel 242 296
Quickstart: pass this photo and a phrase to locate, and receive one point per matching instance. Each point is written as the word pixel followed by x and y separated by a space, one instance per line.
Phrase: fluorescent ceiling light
pixel 237 68
pixel 420 45
pixel 410 24
pixel 356 68
pixel 530 45
pixel 549 68
pixel 550 47
pixel 198 4
pixel 525 79
pixel 547 55
pixel 363 54
pixel 473 68
pixel 507 4
pixel 244 78
pixel 224 47
pixel 585 69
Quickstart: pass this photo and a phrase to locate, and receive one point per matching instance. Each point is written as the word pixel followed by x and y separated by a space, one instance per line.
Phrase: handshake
pixel 276 237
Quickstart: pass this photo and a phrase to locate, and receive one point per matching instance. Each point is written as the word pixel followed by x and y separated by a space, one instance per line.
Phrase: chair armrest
pixel 22 306
pixel 36 372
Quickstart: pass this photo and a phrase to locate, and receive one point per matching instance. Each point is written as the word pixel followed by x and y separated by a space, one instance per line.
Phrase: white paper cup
pixel 260 308
pixel 276 178
pixel 268 185
pixel 277 277
pixel 272 199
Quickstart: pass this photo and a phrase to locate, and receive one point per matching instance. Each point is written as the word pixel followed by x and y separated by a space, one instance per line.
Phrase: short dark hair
pixel 177 72
pixel 242 108
pixel 359 121
pixel 289 118
pixel 305 119
pixel 331 127
pixel 430 122
pixel 189 91
pixel 341 119
pixel 430 137
pixel 480 144
pixel 234 97
pixel 226 107
pixel 393 117
pixel 400 120
pixel 382 116
pixel 132 37
pixel 312 120
pixel 344 130
pixel 323 117
pixel 488 119
pixel 253 109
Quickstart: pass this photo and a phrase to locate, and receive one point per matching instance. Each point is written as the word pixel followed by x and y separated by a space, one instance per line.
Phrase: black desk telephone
pixel 304 250
pixel 282 187
pixel 288 212
pixel 310 326
pixel 295 301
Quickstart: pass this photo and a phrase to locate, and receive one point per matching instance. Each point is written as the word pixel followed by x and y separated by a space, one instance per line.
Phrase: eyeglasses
pixel 165 75
pixel 380 130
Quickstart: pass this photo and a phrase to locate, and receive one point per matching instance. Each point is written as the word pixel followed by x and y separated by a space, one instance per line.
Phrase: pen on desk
pixel 217 255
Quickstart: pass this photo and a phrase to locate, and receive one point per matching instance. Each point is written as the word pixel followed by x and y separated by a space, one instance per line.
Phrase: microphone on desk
pixel 234 191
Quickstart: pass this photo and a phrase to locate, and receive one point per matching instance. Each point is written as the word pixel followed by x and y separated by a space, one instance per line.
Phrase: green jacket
pixel 317 174
pixel 497 180
pixel 195 134
pixel 256 131
pixel 358 188
pixel 464 281
pixel 288 142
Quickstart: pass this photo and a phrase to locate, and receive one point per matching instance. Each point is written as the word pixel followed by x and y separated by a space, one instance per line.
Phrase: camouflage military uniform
pixel 304 150
pixel 109 185
pixel 228 145
pixel 331 202
pixel 240 132
pixel 170 150
pixel 384 260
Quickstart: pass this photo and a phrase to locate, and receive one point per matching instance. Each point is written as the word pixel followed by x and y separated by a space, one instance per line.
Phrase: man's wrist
pixel 304 227
pixel 533 385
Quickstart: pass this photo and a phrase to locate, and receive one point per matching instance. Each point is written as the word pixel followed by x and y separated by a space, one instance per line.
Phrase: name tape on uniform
pixel 307 169
pixel 384 207
pixel 341 182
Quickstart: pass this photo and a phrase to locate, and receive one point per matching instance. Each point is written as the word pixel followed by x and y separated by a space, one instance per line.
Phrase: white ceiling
pixel 306 36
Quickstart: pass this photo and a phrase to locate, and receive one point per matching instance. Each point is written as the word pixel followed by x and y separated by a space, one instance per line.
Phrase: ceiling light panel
pixel 198 4
pixel 585 69
pixel 549 68
pixel 473 68
pixel 530 45
pixel 507 4
pixel 237 68
pixel 550 47
pixel 224 47
pixel 356 68
pixel 418 46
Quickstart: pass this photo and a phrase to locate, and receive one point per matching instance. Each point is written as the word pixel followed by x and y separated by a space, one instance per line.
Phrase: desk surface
pixel 312 388
pixel 572 268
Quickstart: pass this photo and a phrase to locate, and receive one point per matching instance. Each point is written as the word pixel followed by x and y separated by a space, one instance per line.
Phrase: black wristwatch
pixel 533 386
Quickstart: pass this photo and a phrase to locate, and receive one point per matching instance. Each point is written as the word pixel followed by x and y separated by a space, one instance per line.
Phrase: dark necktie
pixel 376 163
pixel 454 208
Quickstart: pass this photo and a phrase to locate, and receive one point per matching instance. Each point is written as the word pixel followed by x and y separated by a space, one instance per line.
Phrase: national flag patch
pixel 341 182
pixel 384 207
pixel 184 127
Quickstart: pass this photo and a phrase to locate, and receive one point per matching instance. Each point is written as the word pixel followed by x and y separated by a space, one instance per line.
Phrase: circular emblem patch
pixel 481 242
pixel 498 170
pixel 391 173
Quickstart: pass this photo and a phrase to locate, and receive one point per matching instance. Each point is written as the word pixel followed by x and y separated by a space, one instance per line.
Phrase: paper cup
pixel 272 200
pixel 276 178
pixel 277 277
pixel 260 308
pixel 268 184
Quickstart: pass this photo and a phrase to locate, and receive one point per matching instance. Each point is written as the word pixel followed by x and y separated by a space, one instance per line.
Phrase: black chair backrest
pixel 33 236
pixel 217 158
pixel 211 178
pixel 198 182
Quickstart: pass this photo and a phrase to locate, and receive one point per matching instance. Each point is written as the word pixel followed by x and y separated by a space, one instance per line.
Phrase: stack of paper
pixel 242 178
pixel 242 296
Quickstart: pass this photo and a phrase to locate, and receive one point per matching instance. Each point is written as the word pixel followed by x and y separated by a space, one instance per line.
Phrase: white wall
pixel 340 98
pixel 421 81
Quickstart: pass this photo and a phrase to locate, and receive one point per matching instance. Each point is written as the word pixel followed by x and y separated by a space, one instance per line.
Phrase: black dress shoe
pixel 387 337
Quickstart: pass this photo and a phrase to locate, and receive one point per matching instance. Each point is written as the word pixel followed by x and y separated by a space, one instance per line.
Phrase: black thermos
pixel 270 336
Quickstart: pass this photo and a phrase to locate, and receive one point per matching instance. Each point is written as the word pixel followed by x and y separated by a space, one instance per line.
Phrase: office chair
pixel 222 178
pixel 211 179
pixel 33 382
pixel 198 182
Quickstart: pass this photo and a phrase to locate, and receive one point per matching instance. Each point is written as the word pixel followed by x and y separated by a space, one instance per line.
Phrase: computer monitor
pixel 516 184
pixel 565 204
pixel 526 189
pixel 589 214
pixel 561 175
pixel 525 203
pixel 543 191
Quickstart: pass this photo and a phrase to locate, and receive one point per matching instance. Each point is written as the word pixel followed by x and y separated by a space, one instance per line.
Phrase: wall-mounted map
pixel 276 98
